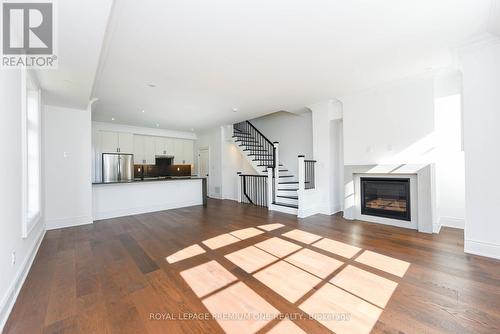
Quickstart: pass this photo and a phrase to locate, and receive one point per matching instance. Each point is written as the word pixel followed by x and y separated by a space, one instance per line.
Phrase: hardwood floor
pixel 113 276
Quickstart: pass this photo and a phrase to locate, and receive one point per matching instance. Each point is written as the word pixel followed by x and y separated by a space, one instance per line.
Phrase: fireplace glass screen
pixel 386 197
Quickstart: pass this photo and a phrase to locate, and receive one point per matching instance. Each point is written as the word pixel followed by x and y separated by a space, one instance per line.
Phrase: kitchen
pixel 138 170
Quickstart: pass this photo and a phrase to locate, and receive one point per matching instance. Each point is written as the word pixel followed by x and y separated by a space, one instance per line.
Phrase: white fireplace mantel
pixel 422 194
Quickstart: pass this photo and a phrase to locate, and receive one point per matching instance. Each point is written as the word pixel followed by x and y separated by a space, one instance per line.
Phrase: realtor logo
pixel 28 34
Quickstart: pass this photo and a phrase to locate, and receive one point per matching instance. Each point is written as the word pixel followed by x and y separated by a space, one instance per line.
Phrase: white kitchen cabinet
pixel 169 146
pixel 187 151
pixel 163 146
pixel 160 146
pixel 149 150
pixel 126 142
pixel 109 142
pixel 116 142
pixel 144 150
pixel 139 150
pixel 178 151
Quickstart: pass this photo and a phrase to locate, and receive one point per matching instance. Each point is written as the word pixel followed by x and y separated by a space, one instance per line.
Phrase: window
pixel 31 155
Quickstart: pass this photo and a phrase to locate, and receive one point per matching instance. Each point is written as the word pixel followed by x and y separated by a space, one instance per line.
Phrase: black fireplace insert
pixel 386 197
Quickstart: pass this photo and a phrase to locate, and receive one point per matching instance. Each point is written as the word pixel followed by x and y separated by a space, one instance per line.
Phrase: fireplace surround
pixel 422 194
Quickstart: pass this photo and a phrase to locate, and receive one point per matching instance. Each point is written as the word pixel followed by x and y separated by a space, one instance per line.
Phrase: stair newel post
pixel 270 186
pixel 302 174
pixel 239 186
pixel 276 168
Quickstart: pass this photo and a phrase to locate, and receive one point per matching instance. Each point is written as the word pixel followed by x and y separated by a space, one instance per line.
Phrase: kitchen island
pixel 125 198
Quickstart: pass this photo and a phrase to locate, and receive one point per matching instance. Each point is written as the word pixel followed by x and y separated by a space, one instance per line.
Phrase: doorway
pixel 204 165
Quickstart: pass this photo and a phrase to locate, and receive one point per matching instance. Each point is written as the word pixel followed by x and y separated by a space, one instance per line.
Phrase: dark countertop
pixel 154 179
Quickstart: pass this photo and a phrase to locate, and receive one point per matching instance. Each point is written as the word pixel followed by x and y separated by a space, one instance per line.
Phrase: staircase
pixel 261 153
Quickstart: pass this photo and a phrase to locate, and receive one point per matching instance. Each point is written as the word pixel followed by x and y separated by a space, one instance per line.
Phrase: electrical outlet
pixel 13 258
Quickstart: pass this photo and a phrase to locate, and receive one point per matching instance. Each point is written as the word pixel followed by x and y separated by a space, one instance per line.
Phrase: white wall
pixel 211 139
pixel 326 132
pixel 389 123
pixel 415 120
pixel 481 98
pixel 337 165
pixel 11 241
pixel 232 163
pixel 292 131
pixel 449 156
pixel 68 192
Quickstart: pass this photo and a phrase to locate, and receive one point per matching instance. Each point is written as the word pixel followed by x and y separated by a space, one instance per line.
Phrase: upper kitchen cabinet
pixel 178 151
pixel 126 142
pixel 144 150
pixel 116 142
pixel 183 151
pixel 188 151
pixel 164 146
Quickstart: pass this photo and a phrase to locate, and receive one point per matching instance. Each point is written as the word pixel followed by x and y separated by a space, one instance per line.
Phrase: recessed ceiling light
pixel 143 111
pixel 235 109
pixel 112 118
pixel 157 125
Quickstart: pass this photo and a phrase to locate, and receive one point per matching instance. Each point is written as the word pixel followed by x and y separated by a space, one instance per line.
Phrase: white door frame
pixel 204 148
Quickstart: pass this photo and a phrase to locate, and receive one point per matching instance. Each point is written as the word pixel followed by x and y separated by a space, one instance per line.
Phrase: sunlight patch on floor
pixel 287 280
pixel 384 263
pixel 220 241
pixel 330 300
pixel 271 227
pixel 185 253
pixel 251 259
pixel 373 288
pixel 286 327
pixel 337 247
pixel 278 247
pixel 207 278
pixel 314 262
pixel 347 299
pixel 305 237
pixel 237 300
pixel 246 233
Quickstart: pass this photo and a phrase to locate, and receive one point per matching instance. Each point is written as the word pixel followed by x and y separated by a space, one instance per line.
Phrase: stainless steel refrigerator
pixel 117 167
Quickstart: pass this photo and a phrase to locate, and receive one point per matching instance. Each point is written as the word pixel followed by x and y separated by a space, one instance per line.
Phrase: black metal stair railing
pixel 257 146
pixel 309 174
pixel 253 189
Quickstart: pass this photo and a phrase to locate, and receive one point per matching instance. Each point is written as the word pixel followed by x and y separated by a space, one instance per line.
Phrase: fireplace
pixel 386 197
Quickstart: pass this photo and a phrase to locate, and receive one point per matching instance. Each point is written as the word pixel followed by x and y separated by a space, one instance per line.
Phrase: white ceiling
pixel 261 56
pixel 80 30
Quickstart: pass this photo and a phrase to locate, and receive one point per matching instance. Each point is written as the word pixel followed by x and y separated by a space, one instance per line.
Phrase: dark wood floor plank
pixel 141 259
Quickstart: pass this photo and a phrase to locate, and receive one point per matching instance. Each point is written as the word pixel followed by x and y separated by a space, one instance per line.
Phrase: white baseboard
pixel 452 222
pixel 13 291
pixel 437 229
pixel 283 209
pixel 482 248
pixel 53 224
pixel 448 222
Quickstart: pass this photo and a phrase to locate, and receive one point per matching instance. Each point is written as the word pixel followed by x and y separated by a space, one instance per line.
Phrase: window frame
pixel 28 86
